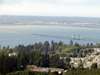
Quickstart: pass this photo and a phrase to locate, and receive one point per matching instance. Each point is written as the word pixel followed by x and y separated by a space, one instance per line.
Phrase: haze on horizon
pixel 84 8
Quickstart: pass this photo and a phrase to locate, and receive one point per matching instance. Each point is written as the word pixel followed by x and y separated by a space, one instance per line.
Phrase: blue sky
pixel 85 8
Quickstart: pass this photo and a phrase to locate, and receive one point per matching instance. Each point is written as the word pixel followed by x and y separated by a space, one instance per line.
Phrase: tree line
pixel 40 54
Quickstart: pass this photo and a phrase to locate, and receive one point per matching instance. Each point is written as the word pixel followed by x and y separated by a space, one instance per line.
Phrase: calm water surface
pixel 28 34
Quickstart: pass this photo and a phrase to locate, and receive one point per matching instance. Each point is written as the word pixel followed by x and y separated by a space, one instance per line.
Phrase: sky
pixel 84 8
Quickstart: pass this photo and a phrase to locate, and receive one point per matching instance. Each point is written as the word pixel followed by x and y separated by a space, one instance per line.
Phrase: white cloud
pixel 51 7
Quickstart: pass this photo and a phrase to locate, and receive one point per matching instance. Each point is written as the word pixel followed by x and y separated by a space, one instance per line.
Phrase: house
pixel 12 54
pixel 34 68
pixel 75 62
pixel 88 60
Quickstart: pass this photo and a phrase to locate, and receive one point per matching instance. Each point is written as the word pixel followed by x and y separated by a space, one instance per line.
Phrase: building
pixel 88 60
pixel 34 68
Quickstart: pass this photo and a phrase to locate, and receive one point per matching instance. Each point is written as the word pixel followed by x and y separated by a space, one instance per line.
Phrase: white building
pixel 12 54
pixel 87 61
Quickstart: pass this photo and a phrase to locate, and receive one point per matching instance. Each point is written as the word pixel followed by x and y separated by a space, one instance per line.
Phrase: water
pixel 13 35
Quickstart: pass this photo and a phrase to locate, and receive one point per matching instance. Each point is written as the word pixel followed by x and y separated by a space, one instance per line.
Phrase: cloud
pixel 51 7
pixel 24 8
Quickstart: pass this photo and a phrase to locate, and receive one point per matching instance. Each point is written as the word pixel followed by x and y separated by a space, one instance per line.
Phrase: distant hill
pixel 47 20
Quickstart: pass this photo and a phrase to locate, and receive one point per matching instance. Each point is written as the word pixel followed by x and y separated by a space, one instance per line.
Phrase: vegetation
pixel 27 73
pixel 14 60
pixel 71 72
pixel 83 72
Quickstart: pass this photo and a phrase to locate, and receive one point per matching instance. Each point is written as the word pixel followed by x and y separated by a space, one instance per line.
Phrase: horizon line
pixel 52 16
